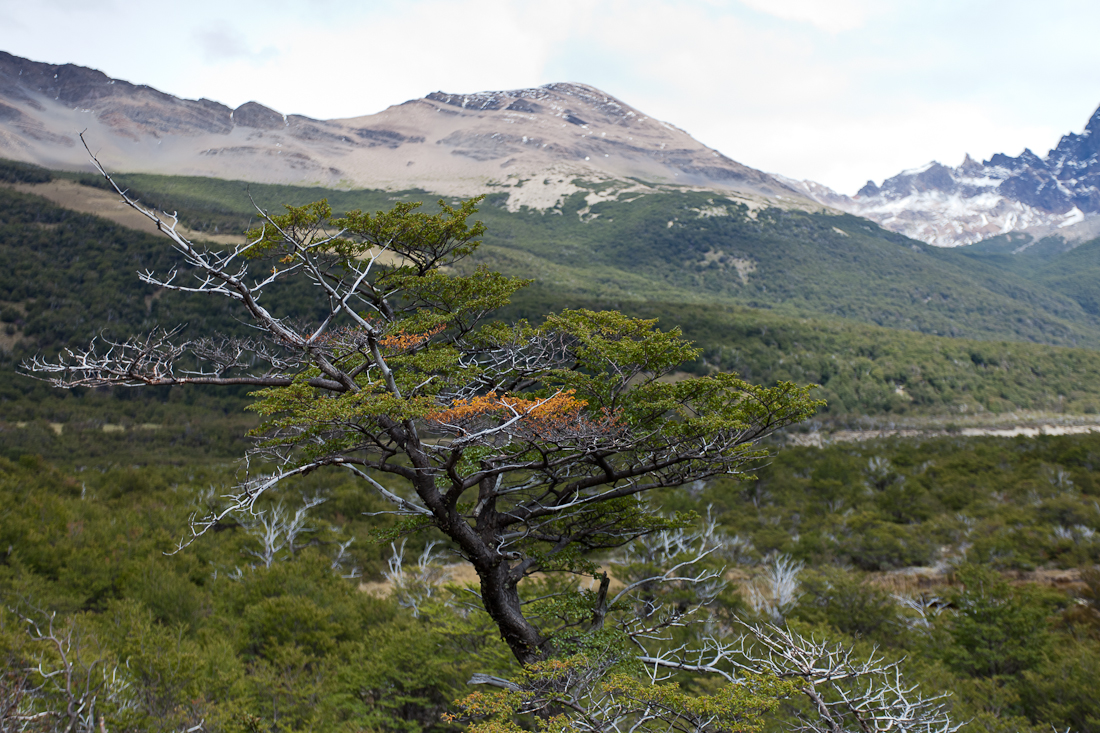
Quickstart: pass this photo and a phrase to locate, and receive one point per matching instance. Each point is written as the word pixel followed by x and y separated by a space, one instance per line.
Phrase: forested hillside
pixel 694 248
pixel 72 277
pixel 67 272
pixel 1070 268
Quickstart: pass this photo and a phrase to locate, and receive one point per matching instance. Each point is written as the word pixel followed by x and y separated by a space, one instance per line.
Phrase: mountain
pixel 535 144
pixel 726 235
pixel 945 206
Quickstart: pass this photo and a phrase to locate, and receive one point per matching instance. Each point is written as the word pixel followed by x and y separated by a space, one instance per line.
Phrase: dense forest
pixel 66 272
pixel 690 247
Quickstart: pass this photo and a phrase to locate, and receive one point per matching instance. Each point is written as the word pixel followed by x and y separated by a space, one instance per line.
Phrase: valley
pixel 886 352
pixel 941 506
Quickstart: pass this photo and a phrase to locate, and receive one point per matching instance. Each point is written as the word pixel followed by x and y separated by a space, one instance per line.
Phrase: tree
pixel 528 446
pixel 626 676
pixel 996 631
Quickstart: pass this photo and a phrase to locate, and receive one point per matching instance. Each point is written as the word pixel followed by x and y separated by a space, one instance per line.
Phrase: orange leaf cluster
pixel 402 341
pixel 554 412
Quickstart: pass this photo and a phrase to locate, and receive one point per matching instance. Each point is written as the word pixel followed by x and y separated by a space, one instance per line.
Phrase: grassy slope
pixel 866 369
pixel 1076 274
pixel 1072 271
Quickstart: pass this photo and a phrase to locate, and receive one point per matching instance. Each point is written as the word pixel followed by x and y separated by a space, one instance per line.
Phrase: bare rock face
pixel 134 110
pixel 535 144
pixel 255 115
pixel 1058 193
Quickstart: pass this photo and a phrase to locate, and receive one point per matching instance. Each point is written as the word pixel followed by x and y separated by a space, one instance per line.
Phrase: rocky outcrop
pixel 134 110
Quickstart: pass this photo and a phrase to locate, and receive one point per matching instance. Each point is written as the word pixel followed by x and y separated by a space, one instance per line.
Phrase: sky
pixel 835 91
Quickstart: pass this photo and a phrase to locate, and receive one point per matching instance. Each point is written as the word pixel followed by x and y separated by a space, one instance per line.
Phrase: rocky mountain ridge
pixel 538 144
pixel 945 206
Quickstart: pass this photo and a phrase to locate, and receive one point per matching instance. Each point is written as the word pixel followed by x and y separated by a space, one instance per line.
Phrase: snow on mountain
pixel 946 206
pixel 533 144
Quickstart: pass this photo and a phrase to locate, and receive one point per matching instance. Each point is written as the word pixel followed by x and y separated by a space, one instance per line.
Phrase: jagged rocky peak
pixel 950 206
pixel 66 83
pixel 932 177
pixel 135 110
pixel 869 189
pixel 969 165
pixel 536 99
pixel 1078 151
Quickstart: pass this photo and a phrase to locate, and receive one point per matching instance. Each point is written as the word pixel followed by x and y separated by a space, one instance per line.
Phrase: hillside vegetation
pixel 218 633
pixel 864 369
pixel 690 247
pixel 71 277
pixel 1052 262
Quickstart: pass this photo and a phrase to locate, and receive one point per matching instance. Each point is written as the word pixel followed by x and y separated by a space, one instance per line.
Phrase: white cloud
pixel 65 6
pixel 831 16
pixel 368 63
pixel 220 41
pixel 844 153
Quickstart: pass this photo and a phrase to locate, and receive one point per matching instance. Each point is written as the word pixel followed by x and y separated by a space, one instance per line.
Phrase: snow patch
pixel 1075 216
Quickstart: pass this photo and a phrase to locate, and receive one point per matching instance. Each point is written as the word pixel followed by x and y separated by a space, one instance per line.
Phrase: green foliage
pixel 864 369
pixel 291 647
pixel 296 647
pixel 78 265
pixel 848 603
pixel 994 631
pixel 14 172
pixel 1063 685
pixel 555 688
pixel 69 278
pixel 425 241
pixel 1070 268
pixel 1010 503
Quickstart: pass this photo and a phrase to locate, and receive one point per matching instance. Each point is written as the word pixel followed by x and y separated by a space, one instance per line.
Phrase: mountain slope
pixel 532 143
pixel 69 275
pixel 1072 269
pixel 695 248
